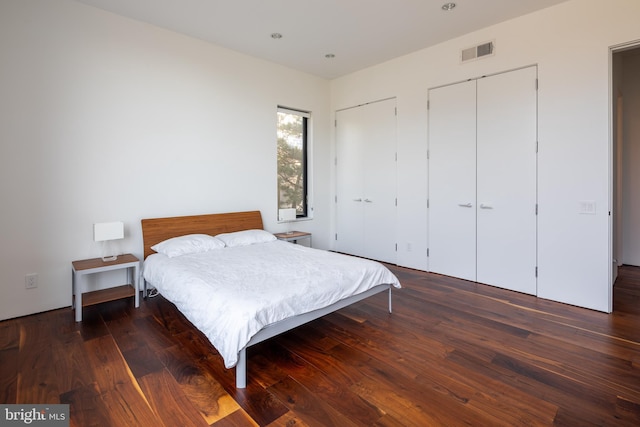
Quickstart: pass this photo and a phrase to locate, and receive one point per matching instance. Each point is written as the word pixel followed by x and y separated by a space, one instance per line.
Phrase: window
pixel 292 160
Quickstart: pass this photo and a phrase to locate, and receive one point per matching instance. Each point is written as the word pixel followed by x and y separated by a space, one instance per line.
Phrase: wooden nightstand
pixel 95 265
pixel 293 236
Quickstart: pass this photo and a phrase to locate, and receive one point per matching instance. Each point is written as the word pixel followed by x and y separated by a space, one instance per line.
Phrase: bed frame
pixel 156 230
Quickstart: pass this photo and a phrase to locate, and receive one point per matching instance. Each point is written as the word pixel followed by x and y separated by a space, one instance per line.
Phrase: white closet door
pixel 350 140
pixel 380 181
pixel 366 181
pixel 506 180
pixel 452 180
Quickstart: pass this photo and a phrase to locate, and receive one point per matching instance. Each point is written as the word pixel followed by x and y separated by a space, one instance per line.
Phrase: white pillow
pixel 246 237
pixel 188 244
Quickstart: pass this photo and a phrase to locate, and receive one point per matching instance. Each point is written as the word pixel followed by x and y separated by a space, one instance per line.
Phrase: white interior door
pixel 452 180
pixel 506 180
pixel 350 140
pixel 366 181
pixel 380 181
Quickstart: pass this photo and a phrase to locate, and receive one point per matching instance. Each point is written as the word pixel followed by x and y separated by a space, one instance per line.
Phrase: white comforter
pixel 232 293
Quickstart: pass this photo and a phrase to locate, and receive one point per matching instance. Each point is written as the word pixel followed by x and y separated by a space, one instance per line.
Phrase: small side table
pixel 293 236
pixel 95 265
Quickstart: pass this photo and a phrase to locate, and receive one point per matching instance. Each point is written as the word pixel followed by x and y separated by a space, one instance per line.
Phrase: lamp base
pixel 109 251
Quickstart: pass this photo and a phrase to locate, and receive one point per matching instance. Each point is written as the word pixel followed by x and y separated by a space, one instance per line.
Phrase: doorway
pixel 625 140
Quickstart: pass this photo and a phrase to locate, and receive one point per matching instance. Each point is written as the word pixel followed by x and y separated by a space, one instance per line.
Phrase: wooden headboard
pixel 156 230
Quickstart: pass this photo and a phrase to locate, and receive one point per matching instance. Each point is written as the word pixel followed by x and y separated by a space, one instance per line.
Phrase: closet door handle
pixel 357 200
pixel 483 206
pixel 465 205
pixel 368 201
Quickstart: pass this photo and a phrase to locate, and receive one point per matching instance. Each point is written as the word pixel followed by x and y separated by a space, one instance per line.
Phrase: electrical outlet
pixel 31 280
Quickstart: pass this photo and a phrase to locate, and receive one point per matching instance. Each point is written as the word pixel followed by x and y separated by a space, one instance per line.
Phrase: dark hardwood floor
pixel 452 353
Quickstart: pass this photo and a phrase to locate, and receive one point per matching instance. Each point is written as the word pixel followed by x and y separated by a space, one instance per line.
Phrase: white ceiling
pixel 360 33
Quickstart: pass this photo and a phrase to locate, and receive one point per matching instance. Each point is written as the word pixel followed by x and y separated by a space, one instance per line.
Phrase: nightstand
pixel 82 298
pixel 293 236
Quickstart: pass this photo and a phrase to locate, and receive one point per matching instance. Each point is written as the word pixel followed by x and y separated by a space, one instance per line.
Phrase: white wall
pixel 570 44
pixel 103 118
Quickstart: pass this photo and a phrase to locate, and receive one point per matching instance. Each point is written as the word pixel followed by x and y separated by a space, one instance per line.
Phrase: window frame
pixel 306 148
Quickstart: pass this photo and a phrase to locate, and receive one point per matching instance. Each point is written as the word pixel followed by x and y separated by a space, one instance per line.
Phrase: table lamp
pixel 107 232
pixel 287 215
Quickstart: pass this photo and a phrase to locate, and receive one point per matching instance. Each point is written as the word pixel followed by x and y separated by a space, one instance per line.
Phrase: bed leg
pixel 390 311
pixel 241 369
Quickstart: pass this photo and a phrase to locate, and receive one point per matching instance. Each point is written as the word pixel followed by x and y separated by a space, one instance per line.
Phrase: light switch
pixel 587 207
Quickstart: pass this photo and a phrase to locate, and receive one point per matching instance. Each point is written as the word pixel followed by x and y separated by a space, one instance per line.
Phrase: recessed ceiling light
pixel 448 6
pixel 276 36
pixel 329 55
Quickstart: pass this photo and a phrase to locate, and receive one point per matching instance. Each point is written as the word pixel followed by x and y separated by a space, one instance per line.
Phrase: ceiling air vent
pixel 475 52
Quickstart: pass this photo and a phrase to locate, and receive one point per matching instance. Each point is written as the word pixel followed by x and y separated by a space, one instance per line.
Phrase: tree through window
pixel 292 160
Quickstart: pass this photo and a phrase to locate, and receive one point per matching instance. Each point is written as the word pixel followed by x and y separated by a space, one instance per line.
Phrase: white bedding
pixel 232 293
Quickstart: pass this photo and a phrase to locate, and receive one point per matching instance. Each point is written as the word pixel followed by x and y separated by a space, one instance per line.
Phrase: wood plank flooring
pixel 452 353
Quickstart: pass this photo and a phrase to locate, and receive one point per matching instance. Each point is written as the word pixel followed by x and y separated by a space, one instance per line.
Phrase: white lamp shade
pixel 286 214
pixel 108 231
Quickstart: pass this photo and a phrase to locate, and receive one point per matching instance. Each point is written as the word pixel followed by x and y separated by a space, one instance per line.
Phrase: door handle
pixel 483 206
pixel 368 201
pixel 357 200
pixel 465 205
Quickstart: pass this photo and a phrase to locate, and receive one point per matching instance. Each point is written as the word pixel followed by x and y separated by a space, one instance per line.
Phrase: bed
pixel 250 287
